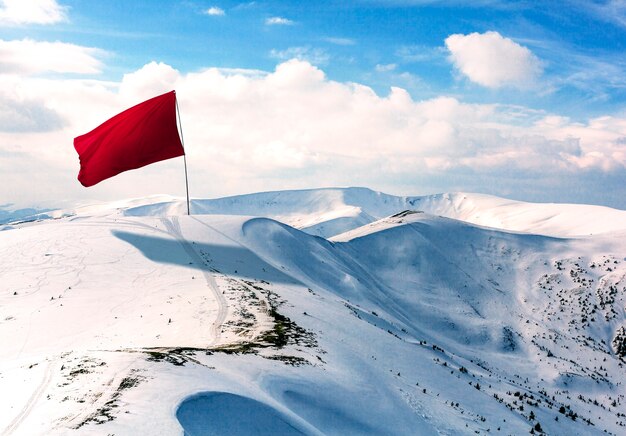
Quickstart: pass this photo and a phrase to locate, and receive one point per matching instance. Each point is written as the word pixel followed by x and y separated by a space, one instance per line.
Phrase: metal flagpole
pixel 180 124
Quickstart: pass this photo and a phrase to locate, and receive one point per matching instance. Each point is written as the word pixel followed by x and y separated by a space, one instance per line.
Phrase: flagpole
pixel 180 123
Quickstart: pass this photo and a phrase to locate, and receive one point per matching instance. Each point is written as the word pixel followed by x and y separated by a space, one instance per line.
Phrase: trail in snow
pixel 34 398
pixel 173 227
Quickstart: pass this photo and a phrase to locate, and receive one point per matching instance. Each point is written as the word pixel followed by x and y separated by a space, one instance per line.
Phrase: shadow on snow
pixel 220 413
pixel 236 261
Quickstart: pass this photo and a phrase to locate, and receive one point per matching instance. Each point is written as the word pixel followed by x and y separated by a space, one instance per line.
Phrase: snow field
pixel 134 319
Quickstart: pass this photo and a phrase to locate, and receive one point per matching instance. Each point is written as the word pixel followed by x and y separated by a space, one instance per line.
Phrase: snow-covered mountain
pixel 331 211
pixel 446 314
pixel 328 212
pixel 8 215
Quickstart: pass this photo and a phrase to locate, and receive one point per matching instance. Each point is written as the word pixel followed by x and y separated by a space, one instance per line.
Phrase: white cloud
pixel 279 21
pixel 29 57
pixel 151 79
pixel 31 12
pixel 278 155
pixel 340 41
pixel 27 116
pixel 246 5
pixel 612 11
pixel 420 53
pixel 315 56
pixel 215 11
pixel 384 68
pixel 247 131
pixel 492 60
pixel 19 114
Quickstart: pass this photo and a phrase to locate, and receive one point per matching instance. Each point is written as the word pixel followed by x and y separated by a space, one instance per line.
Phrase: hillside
pixel 135 319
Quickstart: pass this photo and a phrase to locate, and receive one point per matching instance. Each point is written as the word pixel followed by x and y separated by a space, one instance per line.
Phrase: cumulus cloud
pixel 31 12
pixel 296 110
pixel 215 11
pixel 29 57
pixel 27 115
pixel 142 83
pixel 279 21
pixel 295 128
pixel 492 60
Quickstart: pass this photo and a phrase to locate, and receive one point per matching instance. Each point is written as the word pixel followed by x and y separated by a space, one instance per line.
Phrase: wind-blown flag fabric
pixel 144 134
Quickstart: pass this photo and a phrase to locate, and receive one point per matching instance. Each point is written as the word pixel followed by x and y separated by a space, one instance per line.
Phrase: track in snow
pixel 34 398
pixel 173 228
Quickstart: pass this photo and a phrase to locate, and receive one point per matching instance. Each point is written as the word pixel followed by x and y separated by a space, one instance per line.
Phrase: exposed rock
pixel 619 342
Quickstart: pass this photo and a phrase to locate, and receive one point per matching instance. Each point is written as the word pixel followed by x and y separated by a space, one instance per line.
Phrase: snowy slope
pixel 323 212
pixel 541 218
pixel 132 319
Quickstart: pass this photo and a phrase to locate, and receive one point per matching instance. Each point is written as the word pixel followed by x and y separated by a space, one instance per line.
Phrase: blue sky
pixel 543 77
pixel 350 38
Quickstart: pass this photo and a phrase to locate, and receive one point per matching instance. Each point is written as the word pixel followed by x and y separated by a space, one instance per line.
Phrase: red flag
pixel 144 134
